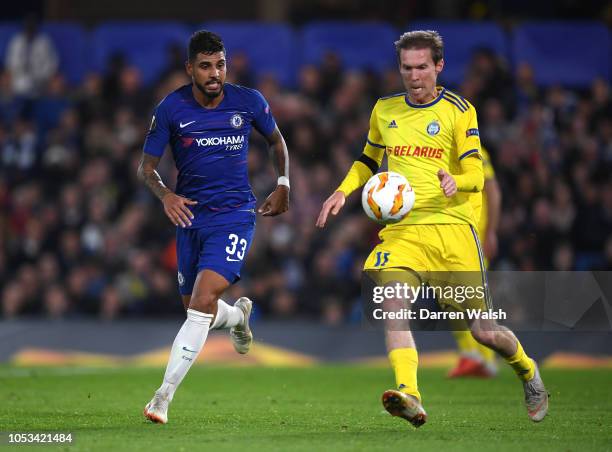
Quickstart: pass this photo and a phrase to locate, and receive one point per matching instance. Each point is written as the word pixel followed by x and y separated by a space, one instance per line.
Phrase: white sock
pixel 185 349
pixel 227 316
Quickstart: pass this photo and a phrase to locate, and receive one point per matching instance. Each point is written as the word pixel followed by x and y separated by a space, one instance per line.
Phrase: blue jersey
pixel 210 148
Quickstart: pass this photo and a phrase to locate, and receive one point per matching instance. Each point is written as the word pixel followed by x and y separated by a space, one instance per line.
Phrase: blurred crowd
pixel 81 236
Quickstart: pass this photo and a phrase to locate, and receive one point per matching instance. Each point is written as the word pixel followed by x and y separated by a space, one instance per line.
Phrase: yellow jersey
pixel 419 140
pixel 479 200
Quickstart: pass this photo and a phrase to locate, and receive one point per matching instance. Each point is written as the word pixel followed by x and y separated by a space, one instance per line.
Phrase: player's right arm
pixel 363 168
pixel 175 206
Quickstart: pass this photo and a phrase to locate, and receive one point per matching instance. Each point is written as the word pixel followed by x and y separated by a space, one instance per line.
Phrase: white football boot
pixel 241 334
pixel 536 397
pixel 157 409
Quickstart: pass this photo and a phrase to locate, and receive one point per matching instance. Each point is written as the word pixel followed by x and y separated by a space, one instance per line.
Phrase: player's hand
pixel 332 205
pixel 276 203
pixel 490 245
pixel 176 209
pixel 447 183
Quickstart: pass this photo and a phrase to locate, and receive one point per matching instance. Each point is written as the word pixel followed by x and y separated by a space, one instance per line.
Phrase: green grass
pixel 320 408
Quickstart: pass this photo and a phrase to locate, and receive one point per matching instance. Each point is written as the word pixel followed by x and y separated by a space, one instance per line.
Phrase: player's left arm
pixel 467 140
pixel 278 201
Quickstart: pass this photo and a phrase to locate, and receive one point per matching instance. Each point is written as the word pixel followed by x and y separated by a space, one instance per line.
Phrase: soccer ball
pixel 387 197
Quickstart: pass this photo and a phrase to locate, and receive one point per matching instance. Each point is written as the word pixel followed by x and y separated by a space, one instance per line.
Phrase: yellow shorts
pixel 440 254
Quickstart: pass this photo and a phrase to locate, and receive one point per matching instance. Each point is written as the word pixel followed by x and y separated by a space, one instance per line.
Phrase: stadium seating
pixel 145 45
pixel 569 53
pixel 279 50
pixel 71 42
pixel 461 39
pixel 270 48
pixel 359 45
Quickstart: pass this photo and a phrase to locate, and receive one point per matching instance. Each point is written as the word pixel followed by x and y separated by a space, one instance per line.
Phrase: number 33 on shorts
pixel 236 249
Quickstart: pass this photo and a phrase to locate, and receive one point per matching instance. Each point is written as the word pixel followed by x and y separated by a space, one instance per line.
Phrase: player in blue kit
pixel 207 124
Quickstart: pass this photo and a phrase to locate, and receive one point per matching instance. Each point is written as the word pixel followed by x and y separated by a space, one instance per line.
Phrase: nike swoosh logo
pixel 181 125
pixel 232 260
pixel 187 350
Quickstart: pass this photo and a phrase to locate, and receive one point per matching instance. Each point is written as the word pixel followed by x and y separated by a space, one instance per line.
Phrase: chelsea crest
pixel 236 121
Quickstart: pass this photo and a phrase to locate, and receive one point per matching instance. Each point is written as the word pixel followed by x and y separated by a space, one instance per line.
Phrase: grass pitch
pixel 318 408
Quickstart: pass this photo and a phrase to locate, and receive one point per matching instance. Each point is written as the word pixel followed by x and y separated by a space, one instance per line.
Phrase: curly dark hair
pixel 206 42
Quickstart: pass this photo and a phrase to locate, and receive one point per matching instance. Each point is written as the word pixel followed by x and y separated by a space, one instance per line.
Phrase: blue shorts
pixel 221 249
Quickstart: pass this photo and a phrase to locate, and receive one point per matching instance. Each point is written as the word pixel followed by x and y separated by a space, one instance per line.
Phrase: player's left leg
pixel 503 341
pixel 465 261
pixel 234 317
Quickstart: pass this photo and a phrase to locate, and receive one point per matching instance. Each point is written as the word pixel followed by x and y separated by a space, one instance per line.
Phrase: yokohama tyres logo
pixel 219 141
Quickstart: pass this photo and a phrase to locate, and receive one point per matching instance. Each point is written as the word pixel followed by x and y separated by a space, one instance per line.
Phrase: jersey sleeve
pixel 158 135
pixel 374 147
pixel 263 119
pixel 369 162
pixel 467 136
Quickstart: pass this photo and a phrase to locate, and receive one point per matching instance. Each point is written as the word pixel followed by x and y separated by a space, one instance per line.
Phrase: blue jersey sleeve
pixel 158 135
pixel 264 121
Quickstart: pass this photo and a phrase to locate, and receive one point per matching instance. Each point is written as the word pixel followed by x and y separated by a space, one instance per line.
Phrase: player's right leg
pixel 390 263
pixel 189 341
pixel 405 401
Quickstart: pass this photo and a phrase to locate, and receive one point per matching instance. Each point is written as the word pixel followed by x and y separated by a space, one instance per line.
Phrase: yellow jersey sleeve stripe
pixel 455 102
pixel 465 154
pixel 376 145
pixel 458 98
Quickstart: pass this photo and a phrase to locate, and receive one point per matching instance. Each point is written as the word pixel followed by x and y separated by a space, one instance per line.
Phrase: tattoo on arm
pixel 147 173
pixel 279 153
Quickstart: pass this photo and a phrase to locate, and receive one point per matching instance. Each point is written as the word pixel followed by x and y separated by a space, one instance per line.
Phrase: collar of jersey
pixel 193 99
pixel 433 102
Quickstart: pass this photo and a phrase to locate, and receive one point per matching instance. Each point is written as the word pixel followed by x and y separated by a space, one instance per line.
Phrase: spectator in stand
pixel 31 60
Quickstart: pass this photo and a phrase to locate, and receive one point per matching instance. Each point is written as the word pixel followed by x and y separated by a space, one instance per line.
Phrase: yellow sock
pixel 405 362
pixel 521 363
pixel 465 342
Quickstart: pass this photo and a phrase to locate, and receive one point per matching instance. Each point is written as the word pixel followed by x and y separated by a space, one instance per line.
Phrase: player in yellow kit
pixel 477 360
pixel 430 135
